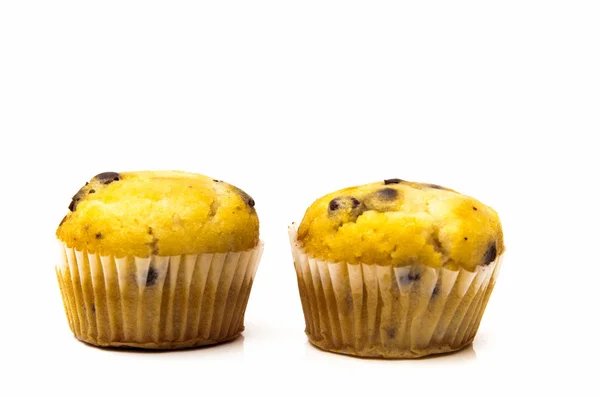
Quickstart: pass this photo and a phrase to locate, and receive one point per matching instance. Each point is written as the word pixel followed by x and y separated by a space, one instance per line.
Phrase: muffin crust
pixel 163 213
pixel 401 223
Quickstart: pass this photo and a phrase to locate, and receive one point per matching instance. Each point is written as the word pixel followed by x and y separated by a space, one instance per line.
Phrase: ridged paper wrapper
pixel 372 310
pixel 156 302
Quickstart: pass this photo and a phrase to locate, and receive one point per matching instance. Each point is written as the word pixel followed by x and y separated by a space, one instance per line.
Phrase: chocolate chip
pixel 391 332
pixel 107 177
pixel 99 235
pixel 383 200
pixel 92 191
pixel 435 186
pixel 152 276
pixel 490 254
pixel 387 194
pixel 466 238
pixel 392 181
pixel 77 197
pixel 334 204
pixel 150 230
pixel 474 208
pixel 247 198
pixel 346 208
pixel 216 181
pixel 81 193
pixel 414 275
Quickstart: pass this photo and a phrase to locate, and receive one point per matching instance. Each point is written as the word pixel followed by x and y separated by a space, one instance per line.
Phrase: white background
pixel 291 100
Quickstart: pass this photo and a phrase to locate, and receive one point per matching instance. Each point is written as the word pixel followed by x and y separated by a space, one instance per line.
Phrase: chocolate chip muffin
pixel 157 259
pixel 396 269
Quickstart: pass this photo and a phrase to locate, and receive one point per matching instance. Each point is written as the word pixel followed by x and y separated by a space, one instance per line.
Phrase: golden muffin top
pixel 159 212
pixel 396 222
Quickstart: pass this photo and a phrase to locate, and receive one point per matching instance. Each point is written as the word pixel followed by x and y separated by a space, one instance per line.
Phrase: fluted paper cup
pixel 156 302
pixel 372 310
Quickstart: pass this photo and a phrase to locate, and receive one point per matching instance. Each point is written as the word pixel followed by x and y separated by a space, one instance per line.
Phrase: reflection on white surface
pixel 234 347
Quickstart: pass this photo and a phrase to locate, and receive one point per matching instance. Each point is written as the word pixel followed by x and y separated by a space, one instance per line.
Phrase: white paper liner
pixel 387 311
pixel 159 302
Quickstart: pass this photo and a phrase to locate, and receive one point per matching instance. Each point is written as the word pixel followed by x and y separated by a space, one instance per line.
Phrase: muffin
pixel 395 269
pixel 157 259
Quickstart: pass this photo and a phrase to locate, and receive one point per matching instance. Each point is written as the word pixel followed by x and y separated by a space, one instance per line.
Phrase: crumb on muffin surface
pixel 159 212
pixel 396 222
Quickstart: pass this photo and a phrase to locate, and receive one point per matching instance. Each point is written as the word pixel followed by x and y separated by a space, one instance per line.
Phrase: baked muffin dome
pixel 159 212
pixel 396 222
